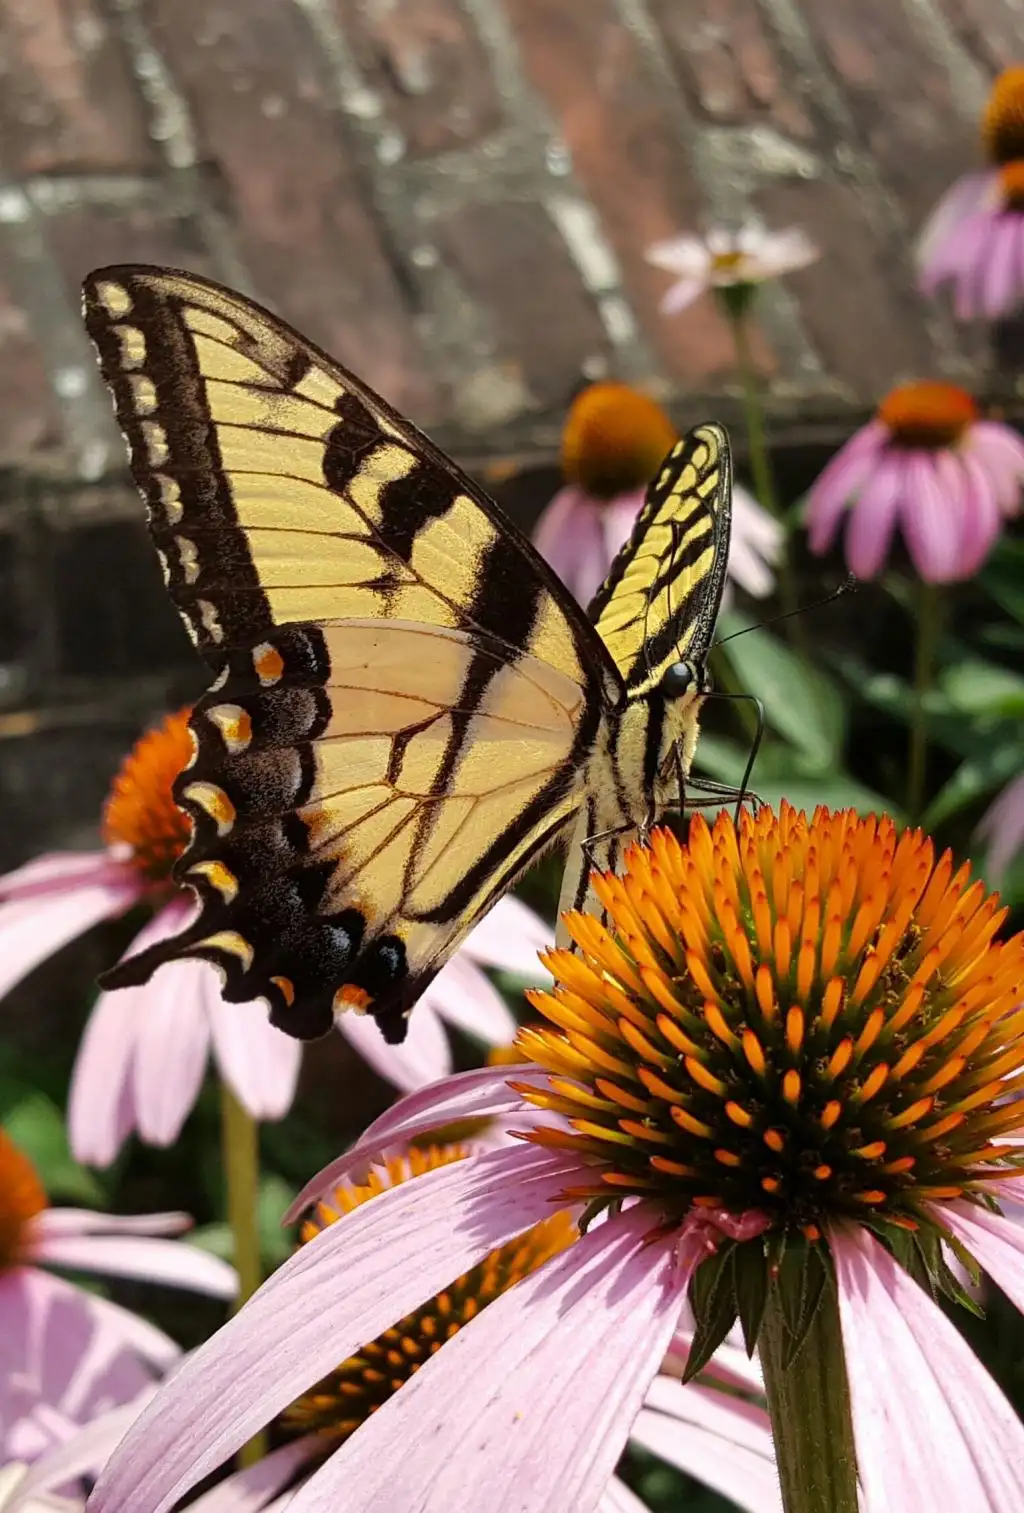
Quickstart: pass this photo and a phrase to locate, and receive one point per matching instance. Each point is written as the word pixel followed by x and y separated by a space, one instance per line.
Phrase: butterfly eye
pixel 679 679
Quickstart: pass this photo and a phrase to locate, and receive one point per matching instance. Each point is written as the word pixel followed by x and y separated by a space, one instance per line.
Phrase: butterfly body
pixel 407 706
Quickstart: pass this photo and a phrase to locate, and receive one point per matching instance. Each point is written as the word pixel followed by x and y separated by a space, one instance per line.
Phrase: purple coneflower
pixel 66 1354
pixel 780 1072
pixel 613 442
pixel 974 238
pixel 928 464
pixel 728 260
pixel 1002 826
pixel 145 1049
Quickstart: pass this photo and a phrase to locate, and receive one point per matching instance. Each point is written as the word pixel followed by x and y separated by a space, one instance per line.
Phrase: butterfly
pixel 407 706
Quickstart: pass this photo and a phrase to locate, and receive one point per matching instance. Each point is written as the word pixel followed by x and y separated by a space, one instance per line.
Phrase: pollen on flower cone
pixel 140 812
pixel 21 1197
pixel 809 1016
pixel 614 440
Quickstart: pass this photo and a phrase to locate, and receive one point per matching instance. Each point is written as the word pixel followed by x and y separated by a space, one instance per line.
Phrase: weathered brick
pixel 67 102
pixel 992 30
pixel 516 267
pixel 90 236
pixel 28 415
pixel 858 308
pixel 727 64
pixel 627 154
pixel 254 80
pixel 425 62
pixel 899 96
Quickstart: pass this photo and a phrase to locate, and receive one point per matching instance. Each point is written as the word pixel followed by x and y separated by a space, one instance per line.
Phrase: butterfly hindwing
pixel 406 698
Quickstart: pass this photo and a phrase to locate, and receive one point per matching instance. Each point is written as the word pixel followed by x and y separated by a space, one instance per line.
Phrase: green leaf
pixel 980 688
pixel 714 1308
pixel 750 1284
pixel 1003 577
pixel 800 701
pixel 275 1196
pixel 974 779
pixel 216 1238
pixel 37 1126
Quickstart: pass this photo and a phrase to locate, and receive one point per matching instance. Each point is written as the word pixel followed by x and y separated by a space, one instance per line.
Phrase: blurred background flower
pixel 727 260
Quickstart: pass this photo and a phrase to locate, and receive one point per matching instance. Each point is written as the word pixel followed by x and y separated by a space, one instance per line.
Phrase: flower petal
pixel 840 481
pixel 84 1454
pixel 915 1385
pixel 711 1440
pixel 355 1279
pixel 873 516
pixel 463 996
pixel 961 201
pixel 258 1062
pixel 481 1094
pixel 423 1057
pixel 250 1490
pixel 53 1222
pixel 101 1102
pixel 1002 825
pixel 569 538
pixel 510 937
pixel 172 1262
pixel 995 1241
pixel 931 528
pixel 172 1041
pixel 578 1342
pixel 33 928
pixel 617 1498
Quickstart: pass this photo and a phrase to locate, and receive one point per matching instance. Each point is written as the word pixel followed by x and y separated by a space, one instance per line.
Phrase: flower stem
pixel 926 628
pixel 809 1404
pixel 239 1136
pixel 761 463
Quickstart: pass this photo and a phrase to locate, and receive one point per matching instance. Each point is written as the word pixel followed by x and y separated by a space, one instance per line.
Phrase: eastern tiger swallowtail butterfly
pixel 408 707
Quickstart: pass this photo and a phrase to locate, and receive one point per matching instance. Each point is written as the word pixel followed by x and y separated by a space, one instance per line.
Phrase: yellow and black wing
pixel 659 603
pixel 405 696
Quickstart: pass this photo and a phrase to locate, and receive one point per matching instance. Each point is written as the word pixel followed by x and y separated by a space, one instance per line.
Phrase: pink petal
pixel 840 481
pixel 873 516
pixel 510 938
pixel 481 1094
pixel 101 1106
pixel 730 1365
pixel 172 1038
pixel 686 254
pixel 683 294
pixel 36 927
pixel 1000 289
pixel 725 1443
pixel 931 1428
pixel 1002 825
pixel 172 1262
pixel 55 1222
pixel 617 1498
pixel 553 1372
pixel 355 1279
pixel 463 996
pixel 568 536
pixel 83 1454
pixel 250 1490
pixel 961 201
pixel 981 520
pixel 131 1330
pixel 617 521
pixel 996 1242
pixel 259 1063
pixel 1000 451
pixel 423 1057
pixel 931 528
pixel 65 871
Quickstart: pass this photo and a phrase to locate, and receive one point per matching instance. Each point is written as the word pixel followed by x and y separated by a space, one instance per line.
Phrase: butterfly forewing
pixel 405 696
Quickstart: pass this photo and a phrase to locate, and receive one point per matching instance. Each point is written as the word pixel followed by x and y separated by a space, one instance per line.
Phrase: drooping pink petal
pixel 463 996
pixel 981 518
pixel 683 294
pixel 931 528
pixel 617 521
pixel 961 201
pixel 721 1440
pixel 258 1062
pixel 55 1222
pixel 755 544
pixel 510 937
pixel 172 1043
pixel 63 871
pixel 685 255
pixel 575 1345
pixel 730 1365
pixel 1002 825
pixel 131 1330
pixel 62 904
pixel 1001 452
pixel 873 517
pixel 480 1094
pixel 839 482
pixel 423 1057
pixel 101 1102
pixel 355 1279
pixel 172 1262
pixel 999 290
pixel 250 1490
pixel 568 536
pixel 995 1241
pixel 916 1386
pixel 83 1454
pixel 617 1498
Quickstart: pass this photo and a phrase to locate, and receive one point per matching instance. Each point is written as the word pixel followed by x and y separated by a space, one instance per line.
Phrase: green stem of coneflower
pixel 736 306
pixel 809 1404
pixel 926 635
pixel 239 1134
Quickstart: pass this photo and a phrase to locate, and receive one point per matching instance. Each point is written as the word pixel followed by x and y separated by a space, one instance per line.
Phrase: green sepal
pixel 713 1300
pixel 801 1283
pixel 750 1289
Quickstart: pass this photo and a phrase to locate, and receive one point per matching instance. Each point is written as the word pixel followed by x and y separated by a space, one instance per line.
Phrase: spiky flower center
pixel 1011 185
pixel 1002 127
pixel 337 1406
pixel 21 1198
pixel 614 439
pixel 927 414
pixel 140 813
pixel 807 1017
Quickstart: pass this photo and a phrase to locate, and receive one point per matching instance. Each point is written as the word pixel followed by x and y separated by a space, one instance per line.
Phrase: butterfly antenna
pixel 849 585
pixel 743 790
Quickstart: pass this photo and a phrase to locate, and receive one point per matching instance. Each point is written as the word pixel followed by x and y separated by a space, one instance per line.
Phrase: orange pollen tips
pixel 927 414
pixel 614 440
pixel 337 1405
pixel 140 812
pixel 806 1016
pixel 1002 127
pixel 21 1198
